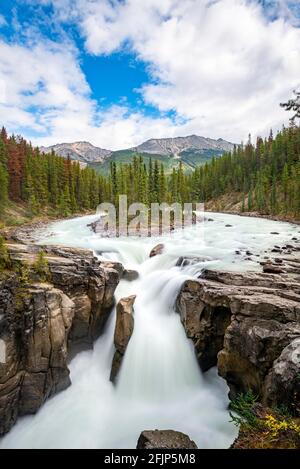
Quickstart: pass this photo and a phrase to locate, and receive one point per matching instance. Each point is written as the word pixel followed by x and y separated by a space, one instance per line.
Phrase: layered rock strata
pixel 44 323
pixel 248 324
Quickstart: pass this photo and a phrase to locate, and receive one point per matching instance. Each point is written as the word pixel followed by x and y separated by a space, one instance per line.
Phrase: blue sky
pixel 118 72
pixel 113 78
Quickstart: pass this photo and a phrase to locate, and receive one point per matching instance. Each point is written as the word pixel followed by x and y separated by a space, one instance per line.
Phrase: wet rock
pixel 203 323
pixel 112 265
pixel 244 323
pixel 164 439
pixel 191 260
pixel 130 275
pixel 157 250
pixel 43 324
pixel 35 339
pixel 25 234
pixel 272 269
pixel 124 323
pixel 123 332
pixel 96 226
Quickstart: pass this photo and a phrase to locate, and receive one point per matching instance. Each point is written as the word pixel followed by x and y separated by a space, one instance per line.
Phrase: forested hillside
pixel 46 184
pixel 264 177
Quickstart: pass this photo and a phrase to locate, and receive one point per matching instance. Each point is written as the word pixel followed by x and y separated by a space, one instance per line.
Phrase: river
pixel 160 384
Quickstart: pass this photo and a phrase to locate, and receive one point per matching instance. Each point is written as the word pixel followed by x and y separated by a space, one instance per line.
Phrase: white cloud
pixel 288 9
pixel 43 91
pixel 223 66
pixel 38 83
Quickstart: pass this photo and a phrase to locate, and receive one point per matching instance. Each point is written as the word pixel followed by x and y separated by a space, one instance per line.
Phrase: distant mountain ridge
pixel 175 146
pixel 192 151
pixel 80 151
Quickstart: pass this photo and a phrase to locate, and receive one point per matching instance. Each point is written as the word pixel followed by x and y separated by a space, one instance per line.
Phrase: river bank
pixel 26 231
pixel 232 204
pixel 282 218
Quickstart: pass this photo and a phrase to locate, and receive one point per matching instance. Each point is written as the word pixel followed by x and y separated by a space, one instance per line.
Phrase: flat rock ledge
pixel 248 324
pixel 43 324
pixel 164 439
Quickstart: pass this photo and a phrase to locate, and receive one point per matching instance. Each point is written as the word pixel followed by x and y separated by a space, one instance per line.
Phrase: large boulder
pixel 164 439
pixel 123 332
pixel 158 249
pixel 130 275
pixel 270 268
pixel 283 380
pixel 43 324
pixel 251 347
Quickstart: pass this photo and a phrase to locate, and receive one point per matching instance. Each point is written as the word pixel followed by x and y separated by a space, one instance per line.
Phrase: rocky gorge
pixel 245 323
pixel 44 324
pixel 249 326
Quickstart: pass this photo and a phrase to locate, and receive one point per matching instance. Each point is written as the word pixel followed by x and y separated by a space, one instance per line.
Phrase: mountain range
pixel 80 151
pixel 192 150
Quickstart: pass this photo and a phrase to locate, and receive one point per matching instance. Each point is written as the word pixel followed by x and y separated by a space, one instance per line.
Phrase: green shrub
pixel 21 293
pixel 242 408
pixel 4 256
pixel 41 267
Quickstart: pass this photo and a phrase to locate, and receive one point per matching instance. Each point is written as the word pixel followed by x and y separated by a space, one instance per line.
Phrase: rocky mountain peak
pixel 81 151
pixel 175 147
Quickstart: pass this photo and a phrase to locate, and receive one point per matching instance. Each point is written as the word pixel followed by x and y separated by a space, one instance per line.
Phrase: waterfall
pixel 159 384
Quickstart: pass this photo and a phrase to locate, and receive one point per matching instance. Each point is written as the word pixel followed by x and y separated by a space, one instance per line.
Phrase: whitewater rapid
pixel 160 384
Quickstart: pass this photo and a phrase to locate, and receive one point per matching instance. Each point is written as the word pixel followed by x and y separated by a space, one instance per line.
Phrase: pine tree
pixel 285 185
pixel 3 189
pixel 3 171
pixel 162 184
pixel 274 195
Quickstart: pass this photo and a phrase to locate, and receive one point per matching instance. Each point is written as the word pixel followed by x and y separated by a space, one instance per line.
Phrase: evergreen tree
pixel 3 188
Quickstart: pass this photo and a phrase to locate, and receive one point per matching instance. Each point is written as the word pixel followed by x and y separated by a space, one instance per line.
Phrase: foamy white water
pixel 159 384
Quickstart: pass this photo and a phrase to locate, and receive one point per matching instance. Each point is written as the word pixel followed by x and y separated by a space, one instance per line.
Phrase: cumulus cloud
pixel 223 66
pixel 38 82
pixel 45 95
